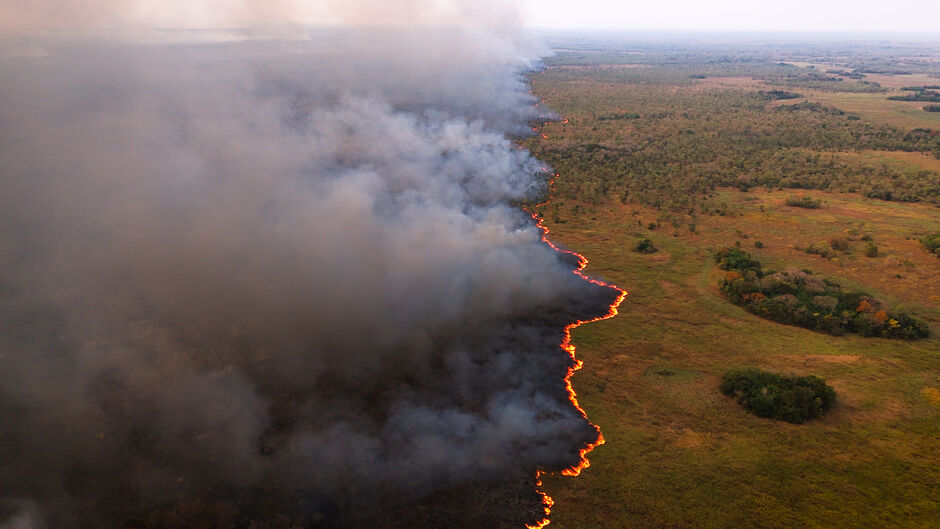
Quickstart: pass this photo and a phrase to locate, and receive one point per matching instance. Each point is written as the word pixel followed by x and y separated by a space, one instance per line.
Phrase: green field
pixel 679 454
pixel 876 109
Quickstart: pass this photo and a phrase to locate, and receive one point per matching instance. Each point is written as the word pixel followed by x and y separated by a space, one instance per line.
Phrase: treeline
pixel 924 96
pixel 620 116
pixel 813 107
pixel 805 300
pixel 773 95
pixel 825 83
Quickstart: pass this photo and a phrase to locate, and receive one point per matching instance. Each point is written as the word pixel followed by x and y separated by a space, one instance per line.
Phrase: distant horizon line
pixel 841 34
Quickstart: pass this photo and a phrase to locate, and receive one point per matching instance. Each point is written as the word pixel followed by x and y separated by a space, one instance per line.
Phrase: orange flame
pixel 566 344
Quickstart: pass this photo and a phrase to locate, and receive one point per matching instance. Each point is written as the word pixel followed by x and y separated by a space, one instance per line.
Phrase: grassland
pixel 679 454
pixel 875 108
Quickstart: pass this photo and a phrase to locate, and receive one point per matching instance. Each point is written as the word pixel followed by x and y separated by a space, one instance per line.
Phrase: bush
pixel 821 249
pixel 932 243
pixel 871 250
pixel 736 259
pixel 804 202
pixel 645 246
pixel 839 243
pixel 773 396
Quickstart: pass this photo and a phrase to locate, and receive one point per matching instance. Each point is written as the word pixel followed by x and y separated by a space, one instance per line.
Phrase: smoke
pixel 277 281
pixel 126 17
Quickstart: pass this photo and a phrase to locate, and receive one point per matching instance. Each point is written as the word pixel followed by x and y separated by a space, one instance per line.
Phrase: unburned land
pixel 654 153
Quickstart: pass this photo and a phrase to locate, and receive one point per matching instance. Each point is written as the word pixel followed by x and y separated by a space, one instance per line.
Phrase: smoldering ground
pixel 273 283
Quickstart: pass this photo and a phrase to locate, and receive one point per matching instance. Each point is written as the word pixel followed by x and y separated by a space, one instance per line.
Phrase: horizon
pixel 863 17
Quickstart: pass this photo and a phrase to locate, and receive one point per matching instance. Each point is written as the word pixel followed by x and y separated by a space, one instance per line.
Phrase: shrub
pixel 804 202
pixel 932 243
pixel 871 250
pixel 821 249
pixel 774 396
pixel 645 246
pixel 736 259
pixel 839 243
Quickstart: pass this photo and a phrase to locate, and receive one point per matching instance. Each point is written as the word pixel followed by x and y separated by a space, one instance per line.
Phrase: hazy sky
pixel 922 16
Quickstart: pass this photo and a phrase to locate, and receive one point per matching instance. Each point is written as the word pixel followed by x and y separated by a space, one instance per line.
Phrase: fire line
pixel 566 344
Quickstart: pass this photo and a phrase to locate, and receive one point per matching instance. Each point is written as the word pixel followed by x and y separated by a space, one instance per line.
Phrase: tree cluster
pixel 804 202
pixel 929 96
pixel 774 396
pixel 805 300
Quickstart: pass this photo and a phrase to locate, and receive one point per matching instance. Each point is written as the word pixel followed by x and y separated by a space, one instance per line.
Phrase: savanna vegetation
pixel 676 144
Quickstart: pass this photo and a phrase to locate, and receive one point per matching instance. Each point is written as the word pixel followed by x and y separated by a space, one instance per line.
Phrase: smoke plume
pixel 276 282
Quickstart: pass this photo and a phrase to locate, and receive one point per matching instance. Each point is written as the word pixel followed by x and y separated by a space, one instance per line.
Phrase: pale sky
pixel 888 16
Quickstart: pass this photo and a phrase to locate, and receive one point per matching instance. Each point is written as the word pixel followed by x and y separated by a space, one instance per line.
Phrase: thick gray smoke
pixel 274 282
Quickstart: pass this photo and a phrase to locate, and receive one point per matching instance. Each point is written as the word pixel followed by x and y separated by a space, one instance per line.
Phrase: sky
pixel 854 16
pixel 844 16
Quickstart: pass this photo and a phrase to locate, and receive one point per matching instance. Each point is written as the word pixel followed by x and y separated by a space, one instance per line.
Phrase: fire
pixel 566 344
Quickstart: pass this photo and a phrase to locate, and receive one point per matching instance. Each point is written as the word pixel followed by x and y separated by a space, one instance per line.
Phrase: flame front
pixel 575 470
